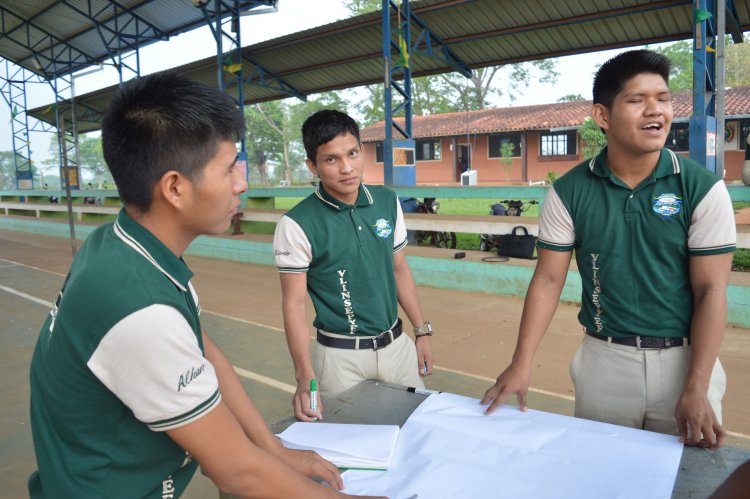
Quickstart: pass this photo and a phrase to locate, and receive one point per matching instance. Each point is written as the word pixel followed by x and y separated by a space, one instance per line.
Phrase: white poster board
pixel 449 449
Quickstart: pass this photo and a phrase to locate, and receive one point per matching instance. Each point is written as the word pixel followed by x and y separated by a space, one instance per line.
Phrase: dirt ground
pixel 475 333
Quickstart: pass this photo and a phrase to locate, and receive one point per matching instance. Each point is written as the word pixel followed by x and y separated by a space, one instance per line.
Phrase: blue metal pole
pixel 703 134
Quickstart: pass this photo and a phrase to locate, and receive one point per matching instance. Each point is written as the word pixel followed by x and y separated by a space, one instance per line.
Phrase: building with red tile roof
pixel 544 139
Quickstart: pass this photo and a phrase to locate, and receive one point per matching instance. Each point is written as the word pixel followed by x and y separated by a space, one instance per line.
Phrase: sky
pixel 293 15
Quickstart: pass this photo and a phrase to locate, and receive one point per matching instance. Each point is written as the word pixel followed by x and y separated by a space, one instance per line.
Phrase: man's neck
pixel 631 168
pixel 169 235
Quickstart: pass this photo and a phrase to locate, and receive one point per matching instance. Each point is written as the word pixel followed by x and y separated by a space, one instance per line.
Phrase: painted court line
pixel 30 267
pixel 280 385
pixel 21 294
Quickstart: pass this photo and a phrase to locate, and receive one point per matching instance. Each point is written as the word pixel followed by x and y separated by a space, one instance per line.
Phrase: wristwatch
pixel 424 329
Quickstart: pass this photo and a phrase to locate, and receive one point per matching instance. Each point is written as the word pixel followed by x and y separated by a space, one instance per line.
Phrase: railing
pixel 470 224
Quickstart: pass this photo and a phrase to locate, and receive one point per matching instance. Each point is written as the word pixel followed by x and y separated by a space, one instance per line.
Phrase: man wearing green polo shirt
pixel 128 393
pixel 342 245
pixel 653 234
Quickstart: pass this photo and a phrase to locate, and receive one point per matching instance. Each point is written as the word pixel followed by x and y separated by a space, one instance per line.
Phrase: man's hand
pixel 515 379
pixel 301 402
pixel 310 464
pixel 424 355
pixel 696 422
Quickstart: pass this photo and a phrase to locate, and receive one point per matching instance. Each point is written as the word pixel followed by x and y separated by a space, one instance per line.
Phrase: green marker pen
pixel 313 396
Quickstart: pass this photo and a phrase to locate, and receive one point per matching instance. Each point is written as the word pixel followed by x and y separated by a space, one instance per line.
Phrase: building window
pixel 558 143
pixel 679 137
pixel 427 150
pixel 497 140
pixel 744 132
pixel 378 152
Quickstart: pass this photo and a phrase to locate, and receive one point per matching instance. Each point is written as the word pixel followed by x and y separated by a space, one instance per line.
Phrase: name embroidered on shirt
pixel 189 376
pixel 597 290
pixel 346 297
pixel 167 488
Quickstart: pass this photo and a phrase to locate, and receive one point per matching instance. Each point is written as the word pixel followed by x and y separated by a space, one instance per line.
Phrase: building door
pixel 463 160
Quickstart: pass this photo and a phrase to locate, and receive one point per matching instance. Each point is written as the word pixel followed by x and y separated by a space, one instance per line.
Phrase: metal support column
pixel 70 173
pixel 399 158
pixel 711 19
pixel 13 86
pixel 229 61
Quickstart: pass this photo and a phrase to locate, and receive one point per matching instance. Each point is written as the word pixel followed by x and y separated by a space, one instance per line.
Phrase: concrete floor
pixel 474 339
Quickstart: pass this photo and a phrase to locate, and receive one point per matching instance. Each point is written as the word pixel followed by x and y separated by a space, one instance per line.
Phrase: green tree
pixel 92 165
pixel 571 98
pixel 736 64
pixel 7 171
pixel 592 138
pixel 452 92
pixel 274 138
pixel 8 179
pixel 506 158
pixel 680 55
pixel 357 7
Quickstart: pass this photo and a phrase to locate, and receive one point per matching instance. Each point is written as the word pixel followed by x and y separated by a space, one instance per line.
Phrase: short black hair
pixel 164 122
pixel 613 74
pixel 324 126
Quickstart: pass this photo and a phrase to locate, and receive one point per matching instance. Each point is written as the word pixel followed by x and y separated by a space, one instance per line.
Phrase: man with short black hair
pixel 128 393
pixel 653 234
pixel 343 245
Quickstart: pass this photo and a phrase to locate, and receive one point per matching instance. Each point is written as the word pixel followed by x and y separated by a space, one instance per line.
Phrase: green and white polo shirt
pixel 347 253
pixel 118 361
pixel 632 246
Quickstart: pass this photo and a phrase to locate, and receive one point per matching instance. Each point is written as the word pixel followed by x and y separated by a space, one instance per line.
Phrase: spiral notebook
pixel 345 445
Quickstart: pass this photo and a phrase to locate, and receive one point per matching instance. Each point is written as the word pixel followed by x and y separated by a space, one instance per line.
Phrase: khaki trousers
pixel 339 369
pixel 626 386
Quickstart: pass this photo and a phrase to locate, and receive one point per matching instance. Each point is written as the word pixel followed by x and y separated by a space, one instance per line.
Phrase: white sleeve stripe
pixel 188 418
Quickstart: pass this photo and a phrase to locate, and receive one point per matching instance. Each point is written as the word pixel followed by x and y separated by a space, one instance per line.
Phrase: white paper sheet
pixel 449 449
pixel 345 445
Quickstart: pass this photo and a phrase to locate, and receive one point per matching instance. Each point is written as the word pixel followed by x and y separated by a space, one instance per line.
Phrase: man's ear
pixel 172 187
pixel 312 167
pixel 600 114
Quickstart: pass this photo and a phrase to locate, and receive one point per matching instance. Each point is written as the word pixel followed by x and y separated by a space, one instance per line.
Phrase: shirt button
pixel 359 227
pixel 631 196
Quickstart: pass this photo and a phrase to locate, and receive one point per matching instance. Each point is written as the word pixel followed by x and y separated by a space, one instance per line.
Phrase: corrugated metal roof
pixel 540 117
pixel 56 37
pixel 482 33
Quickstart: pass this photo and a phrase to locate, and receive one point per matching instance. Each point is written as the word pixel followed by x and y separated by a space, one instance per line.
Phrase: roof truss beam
pixel 111 27
pixel 261 77
pixel 69 55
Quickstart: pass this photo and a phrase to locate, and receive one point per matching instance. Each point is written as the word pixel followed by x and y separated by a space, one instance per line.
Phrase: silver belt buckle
pixel 638 342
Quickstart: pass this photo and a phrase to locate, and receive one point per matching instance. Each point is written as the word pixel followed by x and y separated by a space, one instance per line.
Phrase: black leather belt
pixel 363 343
pixel 643 342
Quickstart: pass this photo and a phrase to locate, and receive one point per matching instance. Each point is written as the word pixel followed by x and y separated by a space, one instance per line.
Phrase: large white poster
pixel 449 449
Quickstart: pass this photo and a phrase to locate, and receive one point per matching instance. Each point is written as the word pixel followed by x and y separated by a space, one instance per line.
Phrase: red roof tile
pixel 538 117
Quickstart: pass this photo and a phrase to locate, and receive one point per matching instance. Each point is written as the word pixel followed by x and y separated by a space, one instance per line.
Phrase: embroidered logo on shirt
pixel 383 228
pixel 667 205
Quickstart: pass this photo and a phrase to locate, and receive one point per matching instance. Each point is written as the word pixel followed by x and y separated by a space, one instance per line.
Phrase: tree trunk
pixel 261 163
